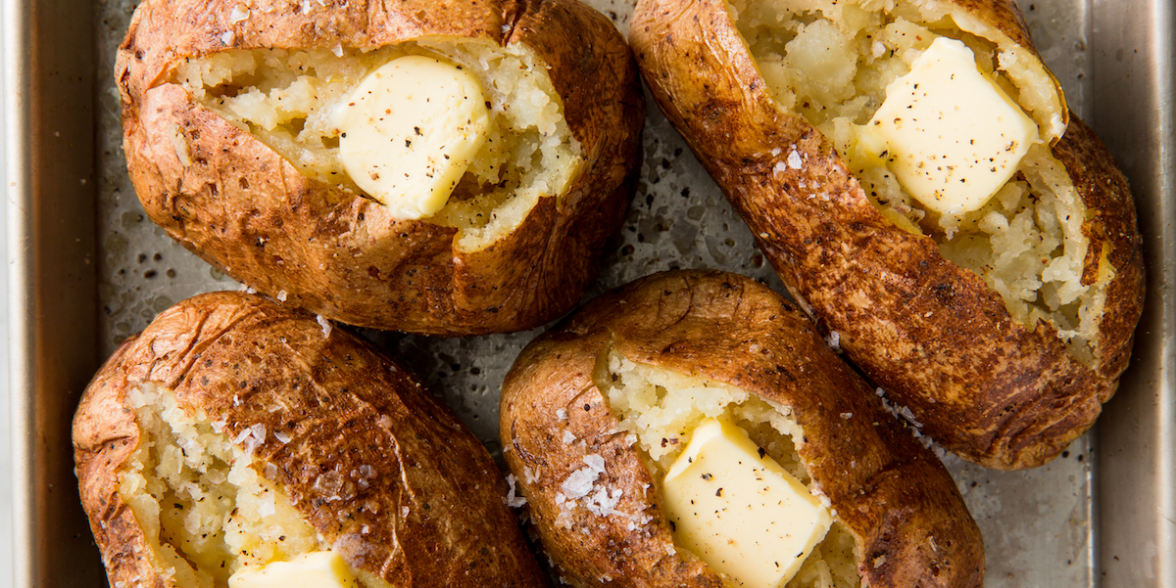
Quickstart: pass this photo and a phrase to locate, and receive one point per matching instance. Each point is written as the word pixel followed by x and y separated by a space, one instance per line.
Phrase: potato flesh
pixel 285 98
pixel 204 510
pixel 1027 244
pixel 662 408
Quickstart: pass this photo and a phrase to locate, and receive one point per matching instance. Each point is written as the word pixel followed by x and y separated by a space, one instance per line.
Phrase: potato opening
pixel 832 65
pixel 204 511
pixel 662 408
pixel 286 99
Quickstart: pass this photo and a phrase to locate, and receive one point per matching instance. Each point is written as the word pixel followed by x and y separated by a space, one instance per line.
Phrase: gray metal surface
pixel 1039 526
pixel 49 189
pixel 1133 108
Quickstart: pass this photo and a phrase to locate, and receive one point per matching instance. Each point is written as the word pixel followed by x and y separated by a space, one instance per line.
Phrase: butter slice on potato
pixel 318 569
pixel 409 130
pixel 739 511
pixel 951 135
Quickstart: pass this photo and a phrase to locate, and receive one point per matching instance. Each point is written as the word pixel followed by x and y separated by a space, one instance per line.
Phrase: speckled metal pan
pixel 86 269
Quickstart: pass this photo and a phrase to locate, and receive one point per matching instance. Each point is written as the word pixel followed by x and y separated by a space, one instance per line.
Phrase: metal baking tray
pixel 86 269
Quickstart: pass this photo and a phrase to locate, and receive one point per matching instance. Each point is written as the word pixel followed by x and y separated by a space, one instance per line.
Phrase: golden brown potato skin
pixel 344 405
pixel 931 333
pixel 250 213
pixel 891 493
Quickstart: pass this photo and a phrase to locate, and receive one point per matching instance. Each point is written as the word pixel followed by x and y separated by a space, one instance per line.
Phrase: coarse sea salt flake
pixel 258 431
pixel 595 462
pixel 281 295
pixel 794 160
pixel 227 39
pixel 337 50
pixel 325 324
pixel 834 341
pixel 238 14
pixel 568 436
pixel 240 438
pixel 282 436
pixel 561 414
pixel 579 483
pixel 512 499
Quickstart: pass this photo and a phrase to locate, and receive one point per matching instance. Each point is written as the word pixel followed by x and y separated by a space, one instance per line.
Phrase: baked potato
pixel 235 440
pixel 516 130
pixel 912 173
pixel 598 414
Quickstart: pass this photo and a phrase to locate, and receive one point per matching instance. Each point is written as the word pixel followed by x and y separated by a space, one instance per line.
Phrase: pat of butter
pixel 410 129
pixel 953 136
pixel 318 569
pixel 738 510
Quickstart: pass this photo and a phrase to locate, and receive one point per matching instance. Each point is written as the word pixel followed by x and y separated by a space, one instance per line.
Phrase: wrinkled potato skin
pixel 931 333
pixel 352 406
pixel 891 493
pixel 249 212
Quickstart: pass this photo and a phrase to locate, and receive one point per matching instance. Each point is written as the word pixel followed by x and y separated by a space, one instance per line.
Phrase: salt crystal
pixel 281 295
pixel 325 324
pixel 595 462
pixel 282 437
pixel 337 50
pixel 227 39
pixel 561 414
pixel 241 436
pixel 580 482
pixel 513 500
pixel 834 341
pixel 847 415
pixel 906 413
pixel 794 160
pixel 258 431
pixel 568 437
pixel 404 512
pixel 238 15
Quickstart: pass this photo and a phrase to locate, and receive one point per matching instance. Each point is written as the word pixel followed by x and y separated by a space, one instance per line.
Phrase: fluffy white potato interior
pixel 206 513
pixel 286 99
pixel 662 408
pixel 832 63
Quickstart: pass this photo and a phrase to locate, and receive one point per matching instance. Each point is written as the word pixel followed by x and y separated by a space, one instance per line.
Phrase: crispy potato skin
pixel 891 493
pixel 250 213
pixel 235 357
pixel 933 334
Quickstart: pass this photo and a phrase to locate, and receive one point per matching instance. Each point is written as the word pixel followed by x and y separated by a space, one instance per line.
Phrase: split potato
pixel 237 443
pixel 601 420
pixel 446 169
pixel 911 171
